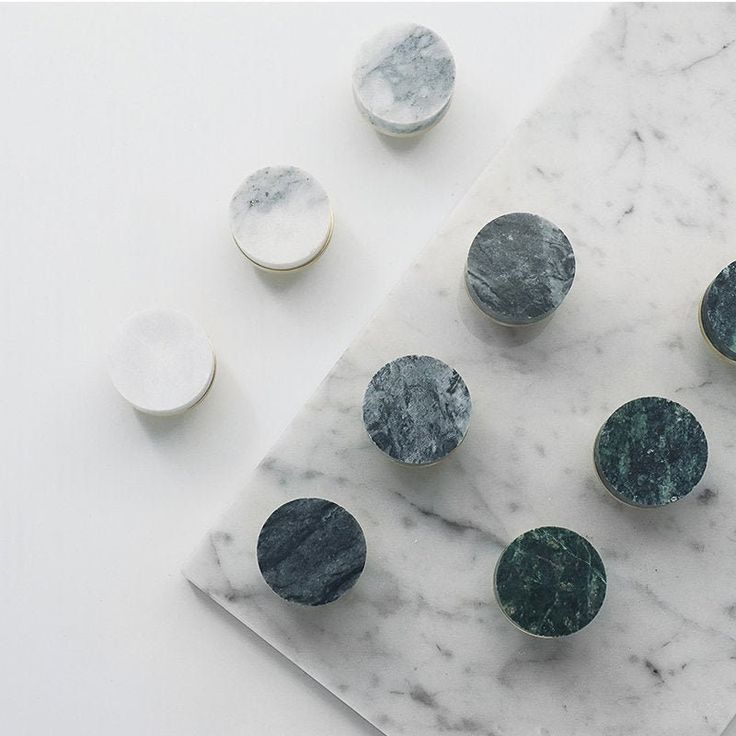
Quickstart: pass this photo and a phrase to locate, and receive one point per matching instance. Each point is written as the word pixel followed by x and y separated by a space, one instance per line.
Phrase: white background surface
pixel 124 131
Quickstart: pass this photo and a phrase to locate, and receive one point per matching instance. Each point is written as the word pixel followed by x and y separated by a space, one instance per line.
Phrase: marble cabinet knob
pixel 403 79
pixel 416 409
pixel 161 361
pixel 281 218
pixel 520 268
pixel 650 452
pixel 550 582
pixel 311 551
pixel 718 313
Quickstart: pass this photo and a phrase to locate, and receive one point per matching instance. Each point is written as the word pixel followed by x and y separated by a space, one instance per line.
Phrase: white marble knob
pixel 281 218
pixel 161 361
pixel 403 79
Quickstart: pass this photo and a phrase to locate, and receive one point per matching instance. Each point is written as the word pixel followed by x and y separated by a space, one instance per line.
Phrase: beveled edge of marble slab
pixel 217 604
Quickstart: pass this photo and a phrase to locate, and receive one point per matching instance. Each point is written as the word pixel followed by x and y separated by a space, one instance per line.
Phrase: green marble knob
pixel 651 452
pixel 550 582
pixel 718 313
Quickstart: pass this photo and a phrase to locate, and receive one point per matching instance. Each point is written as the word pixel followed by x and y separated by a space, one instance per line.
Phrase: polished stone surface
pixel 651 452
pixel 520 268
pixel 718 312
pixel 634 152
pixel 311 551
pixel 161 361
pixel 281 218
pixel 550 582
pixel 403 79
pixel 417 409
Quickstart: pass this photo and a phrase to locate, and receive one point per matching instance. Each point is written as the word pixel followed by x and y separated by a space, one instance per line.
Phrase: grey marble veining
pixel 280 217
pixel 718 312
pixel 632 156
pixel 311 551
pixel 520 268
pixel 403 79
pixel 417 409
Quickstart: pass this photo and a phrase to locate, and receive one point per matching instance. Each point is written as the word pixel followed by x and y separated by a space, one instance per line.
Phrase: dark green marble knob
pixel 550 582
pixel 718 312
pixel 651 452
pixel 519 269
pixel 311 551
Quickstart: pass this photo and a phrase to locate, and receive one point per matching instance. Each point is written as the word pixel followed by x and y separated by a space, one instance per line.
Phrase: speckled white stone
pixel 403 79
pixel 281 218
pixel 161 361
pixel 633 156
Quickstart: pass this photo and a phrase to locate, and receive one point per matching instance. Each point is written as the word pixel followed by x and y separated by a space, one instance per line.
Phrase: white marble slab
pixel 633 157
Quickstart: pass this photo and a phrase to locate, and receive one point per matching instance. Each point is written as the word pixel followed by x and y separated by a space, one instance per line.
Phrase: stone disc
pixel 417 409
pixel 403 79
pixel 651 452
pixel 311 551
pixel 520 268
pixel 718 312
pixel 550 582
pixel 281 218
pixel 161 361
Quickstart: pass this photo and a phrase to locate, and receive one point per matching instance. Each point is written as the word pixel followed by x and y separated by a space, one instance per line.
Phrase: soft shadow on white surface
pixel 126 131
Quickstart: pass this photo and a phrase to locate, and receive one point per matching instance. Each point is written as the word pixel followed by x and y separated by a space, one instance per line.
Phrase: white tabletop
pixel 124 132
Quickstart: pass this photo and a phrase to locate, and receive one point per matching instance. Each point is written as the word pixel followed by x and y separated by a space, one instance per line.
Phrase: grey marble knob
pixel 550 582
pixel 311 551
pixel 651 452
pixel 403 79
pixel 281 218
pixel 416 409
pixel 718 313
pixel 520 268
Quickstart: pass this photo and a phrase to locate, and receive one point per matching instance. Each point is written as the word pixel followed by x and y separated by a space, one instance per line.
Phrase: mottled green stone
pixel 718 312
pixel 550 582
pixel 651 452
